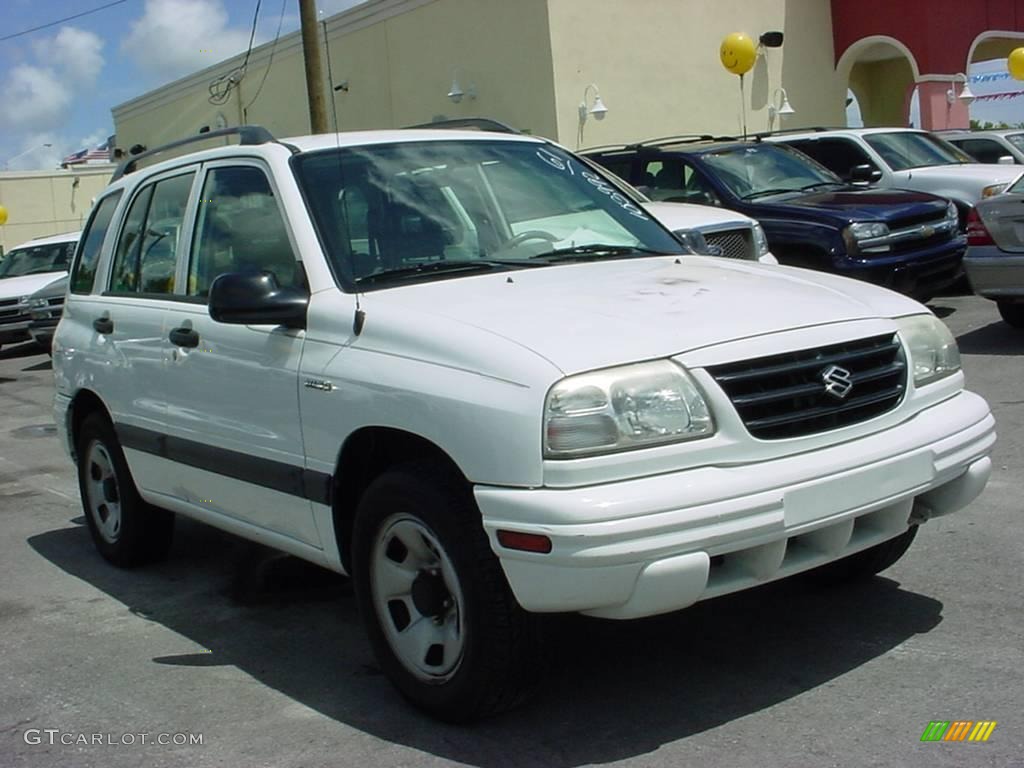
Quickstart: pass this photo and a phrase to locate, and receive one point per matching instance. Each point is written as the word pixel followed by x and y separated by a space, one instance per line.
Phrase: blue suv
pixel 907 241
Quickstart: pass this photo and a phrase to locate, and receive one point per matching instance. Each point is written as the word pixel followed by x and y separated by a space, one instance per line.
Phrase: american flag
pixel 99 154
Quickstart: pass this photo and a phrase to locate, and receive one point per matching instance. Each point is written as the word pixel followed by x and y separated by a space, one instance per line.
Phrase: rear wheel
pixel 1012 313
pixel 869 562
pixel 439 613
pixel 126 530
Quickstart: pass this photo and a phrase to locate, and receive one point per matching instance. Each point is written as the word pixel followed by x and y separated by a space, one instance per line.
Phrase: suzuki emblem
pixel 838 381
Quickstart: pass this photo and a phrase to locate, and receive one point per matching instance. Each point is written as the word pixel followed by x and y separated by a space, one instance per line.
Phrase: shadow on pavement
pixel 45 365
pixel 996 338
pixel 942 311
pixel 25 349
pixel 615 691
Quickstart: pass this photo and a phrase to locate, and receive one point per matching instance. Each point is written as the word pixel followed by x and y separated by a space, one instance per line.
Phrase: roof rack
pixel 685 138
pixel 809 129
pixel 469 123
pixel 247 135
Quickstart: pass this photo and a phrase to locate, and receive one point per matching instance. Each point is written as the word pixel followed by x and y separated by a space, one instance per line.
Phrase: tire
pixel 867 563
pixel 126 530
pixel 1012 313
pixel 418 538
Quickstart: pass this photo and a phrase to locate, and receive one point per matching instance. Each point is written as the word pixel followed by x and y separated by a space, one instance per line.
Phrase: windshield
pixel 448 208
pixel 1017 139
pixel 37 259
pixel 760 170
pixel 906 149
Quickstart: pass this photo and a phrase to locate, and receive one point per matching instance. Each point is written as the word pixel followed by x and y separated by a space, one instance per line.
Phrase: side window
pixel 674 181
pixel 621 167
pixel 982 150
pixel 840 156
pixel 144 261
pixel 239 229
pixel 84 272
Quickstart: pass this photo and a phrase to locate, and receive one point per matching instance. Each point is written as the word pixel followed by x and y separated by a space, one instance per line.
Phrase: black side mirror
pixel 865 174
pixel 255 298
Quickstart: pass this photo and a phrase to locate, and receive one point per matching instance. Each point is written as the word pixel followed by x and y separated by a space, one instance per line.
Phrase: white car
pixel 714 231
pixel 995 255
pixel 468 370
pixel 1003 147
pixel 23 271
pixel 903 158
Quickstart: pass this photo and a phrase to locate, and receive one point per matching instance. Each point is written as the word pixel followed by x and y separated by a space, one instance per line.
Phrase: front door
pixel 232 404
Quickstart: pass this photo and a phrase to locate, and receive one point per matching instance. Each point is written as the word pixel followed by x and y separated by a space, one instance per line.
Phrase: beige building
pixel 41 203
pixel 655 64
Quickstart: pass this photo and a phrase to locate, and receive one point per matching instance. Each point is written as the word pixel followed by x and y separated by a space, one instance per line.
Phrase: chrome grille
pixel 786 395
pixel 733 243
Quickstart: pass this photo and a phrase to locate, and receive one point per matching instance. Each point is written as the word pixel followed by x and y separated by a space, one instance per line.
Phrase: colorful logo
pixel 958 730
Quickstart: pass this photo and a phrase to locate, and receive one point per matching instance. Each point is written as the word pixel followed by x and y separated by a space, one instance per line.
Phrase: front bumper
pixel 920 274
pixel 629 549
pixel 14 331
pixel 42 330
pixel 993 273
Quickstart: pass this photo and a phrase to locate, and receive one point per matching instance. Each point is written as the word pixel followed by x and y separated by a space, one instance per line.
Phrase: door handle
pixel 184 337
pixel 103 325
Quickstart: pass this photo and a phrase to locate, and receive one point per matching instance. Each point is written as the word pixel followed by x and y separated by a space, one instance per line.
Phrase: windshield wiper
pixel 819 184
pixel 765 192
pixel 436 267
pixel 596 251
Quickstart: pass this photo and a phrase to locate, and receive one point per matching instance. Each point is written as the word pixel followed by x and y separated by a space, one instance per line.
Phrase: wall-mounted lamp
pixel 456 94
pixel 782 98
pixel 342 86
pixel 596 109
pixel 771 39
pixel 966 95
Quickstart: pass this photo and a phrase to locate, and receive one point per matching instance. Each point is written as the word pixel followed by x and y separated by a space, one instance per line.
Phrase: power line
pixel 221 87
pixel 61 21
pixel 270 63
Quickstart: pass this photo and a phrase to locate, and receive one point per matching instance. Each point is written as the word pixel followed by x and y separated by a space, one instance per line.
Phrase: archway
pixel 880 71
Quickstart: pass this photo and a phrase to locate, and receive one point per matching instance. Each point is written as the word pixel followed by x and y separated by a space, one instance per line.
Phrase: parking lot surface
pixel 263 658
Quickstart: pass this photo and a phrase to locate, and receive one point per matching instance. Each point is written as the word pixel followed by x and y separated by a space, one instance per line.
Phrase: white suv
pixel 903 158
pixel 25 270
pixel 468 370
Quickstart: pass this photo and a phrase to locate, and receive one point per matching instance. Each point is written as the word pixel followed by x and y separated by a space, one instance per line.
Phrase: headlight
pixel 694 242
pixel 37 303
pixel 760 241
pixel 23 300
pixel 992 189
pixel 633 406
pixel 952 216
pixel 933 350
pixel 860 237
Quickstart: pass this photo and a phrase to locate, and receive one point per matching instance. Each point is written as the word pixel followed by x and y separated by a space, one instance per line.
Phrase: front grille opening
pixel 733 244
pixel 788 395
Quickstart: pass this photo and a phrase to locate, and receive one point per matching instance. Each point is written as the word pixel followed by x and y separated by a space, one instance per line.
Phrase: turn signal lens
pixel 525 542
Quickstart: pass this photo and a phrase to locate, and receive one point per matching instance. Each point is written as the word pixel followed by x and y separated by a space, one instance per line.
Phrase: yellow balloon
pixel 3 215
pixel 1015 63
pixel 738 53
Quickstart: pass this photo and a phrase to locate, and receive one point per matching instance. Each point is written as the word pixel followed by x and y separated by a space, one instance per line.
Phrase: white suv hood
pixel 26 285
pixel 586 316
pixel 961 178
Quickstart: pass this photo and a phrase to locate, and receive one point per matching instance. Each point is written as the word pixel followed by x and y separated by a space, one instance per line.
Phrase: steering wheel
pixel 530 234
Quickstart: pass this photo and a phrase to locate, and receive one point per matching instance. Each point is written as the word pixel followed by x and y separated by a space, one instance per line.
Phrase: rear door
pixel 233 426
pixel 128 337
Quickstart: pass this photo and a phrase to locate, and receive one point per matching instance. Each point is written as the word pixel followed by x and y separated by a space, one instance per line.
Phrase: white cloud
pixel 175 37
pixel 76 53
pixel 36 97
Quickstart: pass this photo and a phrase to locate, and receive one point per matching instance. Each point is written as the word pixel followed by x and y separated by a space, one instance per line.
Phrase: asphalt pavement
pixel 262 659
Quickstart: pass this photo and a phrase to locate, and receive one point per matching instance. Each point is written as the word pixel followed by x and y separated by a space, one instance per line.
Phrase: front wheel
pixel 439 613
pixel 1012 313
pixel 126 530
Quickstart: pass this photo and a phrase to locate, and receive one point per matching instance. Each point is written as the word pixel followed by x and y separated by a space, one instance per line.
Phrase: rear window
pixel 84 272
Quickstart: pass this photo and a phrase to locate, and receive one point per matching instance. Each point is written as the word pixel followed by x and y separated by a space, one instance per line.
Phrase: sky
pixel 58 85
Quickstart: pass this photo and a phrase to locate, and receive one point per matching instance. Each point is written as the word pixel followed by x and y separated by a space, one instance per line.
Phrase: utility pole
pixel 314 72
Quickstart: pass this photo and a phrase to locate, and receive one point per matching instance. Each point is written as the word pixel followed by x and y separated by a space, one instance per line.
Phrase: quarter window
pixel 145 258
pixel 240 229
pixel 84 272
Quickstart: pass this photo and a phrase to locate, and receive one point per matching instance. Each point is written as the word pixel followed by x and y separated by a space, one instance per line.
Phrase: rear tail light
pixel 525 542
pixel 977 233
